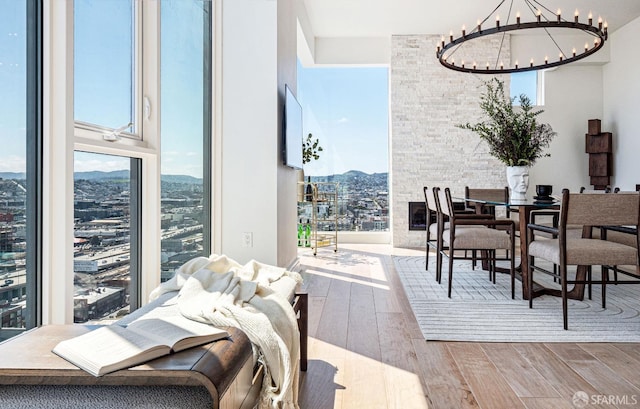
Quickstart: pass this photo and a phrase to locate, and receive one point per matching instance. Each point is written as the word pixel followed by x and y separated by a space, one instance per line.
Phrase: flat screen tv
pixel 292 130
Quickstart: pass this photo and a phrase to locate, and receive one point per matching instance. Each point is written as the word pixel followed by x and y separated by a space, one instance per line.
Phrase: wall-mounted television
pixel 292 130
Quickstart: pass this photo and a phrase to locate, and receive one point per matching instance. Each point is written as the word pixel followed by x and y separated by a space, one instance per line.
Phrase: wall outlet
pixel 247 239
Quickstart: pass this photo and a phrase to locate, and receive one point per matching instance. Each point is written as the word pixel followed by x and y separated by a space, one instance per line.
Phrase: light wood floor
pixel 366 351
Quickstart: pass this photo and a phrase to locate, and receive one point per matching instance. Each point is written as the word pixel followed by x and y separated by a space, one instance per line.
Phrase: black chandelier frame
pixel 599 32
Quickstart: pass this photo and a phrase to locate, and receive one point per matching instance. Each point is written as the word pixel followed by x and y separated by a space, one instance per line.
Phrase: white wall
pixel 256 192
pixel 621 107
pixel 287 200
pixel 573 95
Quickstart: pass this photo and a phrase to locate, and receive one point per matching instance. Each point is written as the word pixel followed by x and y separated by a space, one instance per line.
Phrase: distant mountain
pixel 353 176
pixel 100 175
pixel 180 179
pixel 13 175
pixel 113 175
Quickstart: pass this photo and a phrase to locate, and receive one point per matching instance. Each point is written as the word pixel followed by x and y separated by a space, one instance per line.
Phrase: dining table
pixel 523 208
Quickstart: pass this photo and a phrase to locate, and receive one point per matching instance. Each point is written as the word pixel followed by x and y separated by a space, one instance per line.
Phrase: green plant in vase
pixel 310 149
pixel 513 134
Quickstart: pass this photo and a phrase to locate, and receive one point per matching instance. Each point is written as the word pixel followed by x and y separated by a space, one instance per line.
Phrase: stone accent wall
pixel 427 101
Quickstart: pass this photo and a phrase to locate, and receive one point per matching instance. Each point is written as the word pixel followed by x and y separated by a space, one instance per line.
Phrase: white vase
pixel 518 178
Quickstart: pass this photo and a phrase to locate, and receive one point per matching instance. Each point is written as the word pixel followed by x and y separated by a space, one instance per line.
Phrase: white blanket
pixel 220 291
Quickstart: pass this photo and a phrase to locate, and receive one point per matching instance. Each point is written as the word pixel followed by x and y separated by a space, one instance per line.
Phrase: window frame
pixel 63 136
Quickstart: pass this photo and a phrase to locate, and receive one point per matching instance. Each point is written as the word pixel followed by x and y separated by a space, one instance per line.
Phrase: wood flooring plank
pixel 315 307
pixel 395 342
pixel 314 284
pixel 619 362
pixel 365 383
pixel 386 298
pixel 489 387
pixel 593 371
pixel 444 384
pixel 631 349
pixel 362 334
pixel 334 320
pixel 563 378
pixel 404 389
pixel 511 365
pixel 548 403
pixel 319 385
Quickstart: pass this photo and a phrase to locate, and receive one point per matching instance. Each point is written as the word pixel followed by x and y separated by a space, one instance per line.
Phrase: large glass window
pixel 20 138
pixel 104 213
pixel 347 110
pixel 104 62
pixel 186 130
pixel 107 190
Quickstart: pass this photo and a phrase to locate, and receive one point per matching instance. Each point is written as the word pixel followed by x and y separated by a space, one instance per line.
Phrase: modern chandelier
pixel 456 55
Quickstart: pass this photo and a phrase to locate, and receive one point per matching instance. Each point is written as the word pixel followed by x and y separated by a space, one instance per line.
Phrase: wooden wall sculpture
pixel 599 146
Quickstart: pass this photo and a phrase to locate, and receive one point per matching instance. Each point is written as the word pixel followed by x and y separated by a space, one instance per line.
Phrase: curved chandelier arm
pixel 598 44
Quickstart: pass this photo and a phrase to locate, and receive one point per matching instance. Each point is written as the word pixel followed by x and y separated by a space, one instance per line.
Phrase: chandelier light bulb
pixel 576 15
pixel 451 36
pixel 590 18
pixel 531 63
pixel 479 26
pixel 600 23
pixel 464 30
pixel 538 15
pixel 497 21
pixel 574 51
pixel 518 18
pixel 559 15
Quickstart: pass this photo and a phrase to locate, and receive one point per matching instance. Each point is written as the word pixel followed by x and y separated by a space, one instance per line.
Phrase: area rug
pixel 480 311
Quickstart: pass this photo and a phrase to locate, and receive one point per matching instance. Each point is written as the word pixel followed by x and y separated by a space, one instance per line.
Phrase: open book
pixel 114 347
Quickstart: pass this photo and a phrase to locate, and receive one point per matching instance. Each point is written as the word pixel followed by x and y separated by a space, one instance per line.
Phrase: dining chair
pixel 432 228
pixel 479 206
pixel 586 209
pixel 624 236
pixel 475 232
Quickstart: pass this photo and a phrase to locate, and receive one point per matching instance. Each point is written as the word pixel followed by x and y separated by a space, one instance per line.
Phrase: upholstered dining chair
pixel 586 209
pixel 432 228
pixel 475 232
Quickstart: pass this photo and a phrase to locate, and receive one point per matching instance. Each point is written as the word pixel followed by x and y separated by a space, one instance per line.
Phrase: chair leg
pixel 493 264
pixel 589 280
pixel 605 277
pixel 563 277
pixel 426 258
pixel 530 281
pixel 439 266
pixel 512 272
pixel 450 271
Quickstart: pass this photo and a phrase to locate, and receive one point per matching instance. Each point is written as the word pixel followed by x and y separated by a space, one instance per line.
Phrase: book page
pixel 109 348
pixel 176 331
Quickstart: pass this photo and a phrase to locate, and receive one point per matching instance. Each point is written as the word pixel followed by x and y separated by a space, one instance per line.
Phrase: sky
pixel 347 109
pixel 103 81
